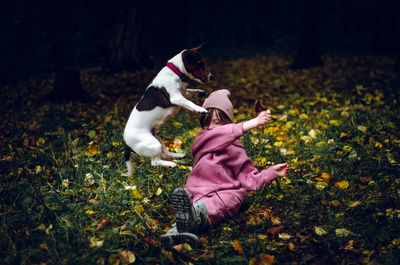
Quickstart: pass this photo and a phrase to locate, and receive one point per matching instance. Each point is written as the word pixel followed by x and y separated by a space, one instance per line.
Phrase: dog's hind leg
pixel 129 163
pixel 157 161
pixel 151 146
pixel 167 154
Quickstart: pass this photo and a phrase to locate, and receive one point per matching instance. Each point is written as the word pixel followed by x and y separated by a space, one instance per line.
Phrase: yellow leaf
pixel 237 246
pixel 262 237
pixel 168 254
pixel 40 141
pixel 284 236
pixel 343 184
pixel 312 133
pixel 319 231
pixel 362 128
pixel 347 148
pixel 325 176
pixel 113 259
pixel 303 116
pixel 96 243
pixel 90 212
pixel 355 204
pixel 93 149
pixel 184 246
pixel 321 185
pixel 341 232
pixel 343 134
pixel 334 122
pixel 44 246
pixel 126 257
pixel 159 191
pixel 139 208
pixel 291 246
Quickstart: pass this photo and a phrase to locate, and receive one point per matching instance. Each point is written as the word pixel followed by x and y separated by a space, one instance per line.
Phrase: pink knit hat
pixel 220 100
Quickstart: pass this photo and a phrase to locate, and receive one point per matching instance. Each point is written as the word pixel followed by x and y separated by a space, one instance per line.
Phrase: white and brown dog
pixel 160 102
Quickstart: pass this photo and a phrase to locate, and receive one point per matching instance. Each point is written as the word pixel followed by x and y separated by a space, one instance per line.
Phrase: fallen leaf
pixel 103 222
pixel 291 246
pixel 184 246
pixel 149 241
pixel 319 231
pixel 266 259
pixel 342 232
pixel 237 246
pixel 96 243
pixel 259 106
pixel 275 230
pixel 355 204
pixel 325 176
pixel 44 246
pixel 126 257
pixel 343 184
pixel 284 236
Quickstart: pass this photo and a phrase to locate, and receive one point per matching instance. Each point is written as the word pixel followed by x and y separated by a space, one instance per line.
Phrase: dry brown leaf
pixel 275 230
pixel 259 106
pixel 266 259
pixel 103 222
pixel 237 246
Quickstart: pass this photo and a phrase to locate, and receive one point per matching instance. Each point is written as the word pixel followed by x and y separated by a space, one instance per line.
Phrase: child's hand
pixel 281 169
pixel 263 117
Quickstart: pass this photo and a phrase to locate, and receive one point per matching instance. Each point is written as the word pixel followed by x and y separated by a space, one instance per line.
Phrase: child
pixel 222 172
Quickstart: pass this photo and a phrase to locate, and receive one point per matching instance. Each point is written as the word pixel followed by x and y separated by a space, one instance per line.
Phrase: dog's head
pixel 194 65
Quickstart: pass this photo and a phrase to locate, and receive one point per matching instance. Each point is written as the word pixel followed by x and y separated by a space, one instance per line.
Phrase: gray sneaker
pixel 189 217
pixel 173 238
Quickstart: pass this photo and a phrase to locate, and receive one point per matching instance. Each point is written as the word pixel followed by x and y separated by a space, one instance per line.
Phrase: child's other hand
pixel 281 169
pixel 263 117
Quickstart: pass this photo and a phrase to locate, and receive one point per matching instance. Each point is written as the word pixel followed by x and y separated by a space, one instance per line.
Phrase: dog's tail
pixel 129 164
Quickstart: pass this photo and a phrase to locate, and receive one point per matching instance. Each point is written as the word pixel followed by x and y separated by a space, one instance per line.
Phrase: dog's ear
pixel 196 49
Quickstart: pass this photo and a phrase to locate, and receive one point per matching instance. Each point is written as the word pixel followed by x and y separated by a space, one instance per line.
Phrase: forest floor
pixel 66 197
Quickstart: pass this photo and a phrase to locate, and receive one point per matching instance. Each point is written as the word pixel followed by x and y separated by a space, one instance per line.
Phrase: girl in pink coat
pixel 222 172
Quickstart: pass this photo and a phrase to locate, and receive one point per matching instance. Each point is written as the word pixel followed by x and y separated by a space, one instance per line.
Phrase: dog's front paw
pixel 201 110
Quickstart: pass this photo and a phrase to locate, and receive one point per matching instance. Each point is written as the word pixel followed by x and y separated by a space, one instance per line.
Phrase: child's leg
pixel 222 204
pixel 189 217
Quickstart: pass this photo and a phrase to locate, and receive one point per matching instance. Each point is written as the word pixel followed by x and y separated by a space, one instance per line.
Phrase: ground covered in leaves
pixel 66 198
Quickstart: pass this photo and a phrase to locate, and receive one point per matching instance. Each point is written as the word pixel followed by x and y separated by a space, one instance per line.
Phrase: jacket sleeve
pixel 217 139
pixel 251 179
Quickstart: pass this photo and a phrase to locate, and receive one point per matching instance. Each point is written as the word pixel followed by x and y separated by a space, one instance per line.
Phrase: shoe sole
pixel 182 204
pixel 168 241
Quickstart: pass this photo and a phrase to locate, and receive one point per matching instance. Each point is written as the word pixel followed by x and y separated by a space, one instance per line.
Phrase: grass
pixel 66 198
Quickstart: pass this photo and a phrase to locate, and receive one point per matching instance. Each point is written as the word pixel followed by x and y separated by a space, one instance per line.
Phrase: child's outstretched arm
pixel 262 118
pixel 281 170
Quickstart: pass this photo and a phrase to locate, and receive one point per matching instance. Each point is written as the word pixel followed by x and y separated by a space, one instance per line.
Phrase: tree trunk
pixel 130 47
pixel 308 45
pixel 67 84
pixel 386 26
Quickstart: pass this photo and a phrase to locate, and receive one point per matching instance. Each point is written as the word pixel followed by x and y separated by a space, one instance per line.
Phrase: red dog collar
pixel 181 75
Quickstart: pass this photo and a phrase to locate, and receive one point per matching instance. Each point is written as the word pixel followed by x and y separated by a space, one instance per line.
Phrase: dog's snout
pixel 210 76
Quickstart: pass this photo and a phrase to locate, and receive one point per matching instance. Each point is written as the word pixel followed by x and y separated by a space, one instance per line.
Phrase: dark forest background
pixel 43 37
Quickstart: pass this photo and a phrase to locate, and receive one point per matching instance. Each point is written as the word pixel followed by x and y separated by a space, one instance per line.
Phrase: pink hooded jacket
pixel 223 172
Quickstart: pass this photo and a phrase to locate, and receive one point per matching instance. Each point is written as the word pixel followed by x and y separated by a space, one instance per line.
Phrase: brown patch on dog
pixel 194 64
pixel 154 97
pixel 128 152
